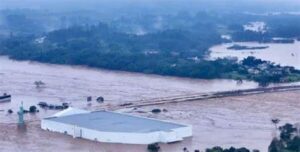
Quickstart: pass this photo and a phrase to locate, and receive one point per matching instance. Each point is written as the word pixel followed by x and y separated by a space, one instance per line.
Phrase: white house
pixel 112 127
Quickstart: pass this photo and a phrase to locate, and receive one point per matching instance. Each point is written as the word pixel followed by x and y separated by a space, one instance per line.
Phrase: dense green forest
pixel 175 45
pixel 171 52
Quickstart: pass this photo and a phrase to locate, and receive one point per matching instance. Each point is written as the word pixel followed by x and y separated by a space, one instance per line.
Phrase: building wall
pixel 117 137
pixel 184 131
pixel 57 127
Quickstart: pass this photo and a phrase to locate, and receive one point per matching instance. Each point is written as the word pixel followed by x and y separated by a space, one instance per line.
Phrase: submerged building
pixel 112 127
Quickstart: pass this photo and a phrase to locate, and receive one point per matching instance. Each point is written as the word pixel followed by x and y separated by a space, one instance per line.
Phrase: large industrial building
pixel 112 127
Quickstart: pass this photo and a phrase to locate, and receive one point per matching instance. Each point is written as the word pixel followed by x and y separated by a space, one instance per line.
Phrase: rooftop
pixel 115 122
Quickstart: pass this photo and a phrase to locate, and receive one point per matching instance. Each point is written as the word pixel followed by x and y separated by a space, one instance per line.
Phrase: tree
pixel 215 149
pixel 32 109
pixel 294 144
pixel 289 141
pixel 153 147
pixel 185 149
pixel 39 84
pixel 231 149
pixel 286 132
pixel 276 146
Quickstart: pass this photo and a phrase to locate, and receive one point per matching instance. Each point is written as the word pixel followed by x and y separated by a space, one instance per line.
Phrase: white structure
pixel 114 127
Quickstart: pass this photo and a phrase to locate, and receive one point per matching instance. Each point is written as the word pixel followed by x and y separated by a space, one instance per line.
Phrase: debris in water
pixel 156 111
pixel 100 99
pixel 9 111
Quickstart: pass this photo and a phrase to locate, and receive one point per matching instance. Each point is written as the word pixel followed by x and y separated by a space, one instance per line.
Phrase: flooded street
pixel 283 54
pixel 75 84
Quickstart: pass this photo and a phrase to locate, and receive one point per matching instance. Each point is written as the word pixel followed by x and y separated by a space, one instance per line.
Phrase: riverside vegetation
pixel 163 53
pixel 178 47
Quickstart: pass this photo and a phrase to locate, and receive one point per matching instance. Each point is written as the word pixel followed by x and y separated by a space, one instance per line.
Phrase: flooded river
pixel 74 84
pixel 283 54
pixel 233 121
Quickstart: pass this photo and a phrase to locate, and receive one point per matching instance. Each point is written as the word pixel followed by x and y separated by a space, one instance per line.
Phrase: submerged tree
pixel 39 84
pixel 289 140
pixel 276 146
pixel 153 147
pixel 231 149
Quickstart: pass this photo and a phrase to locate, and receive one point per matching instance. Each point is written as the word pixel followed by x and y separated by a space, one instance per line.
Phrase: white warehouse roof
pixel 115 122
pixel 70 111
pixel 115 127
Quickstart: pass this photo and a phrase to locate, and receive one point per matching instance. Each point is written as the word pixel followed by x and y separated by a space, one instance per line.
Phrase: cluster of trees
pixel 288 141
pixel 171 52
pixel 178 48
pixel 102 39
pixel 231 149
pixel 203 24
pixel 156 148
pixel 266 72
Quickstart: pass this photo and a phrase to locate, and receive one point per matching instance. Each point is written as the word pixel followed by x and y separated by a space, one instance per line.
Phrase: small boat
pixel 5 98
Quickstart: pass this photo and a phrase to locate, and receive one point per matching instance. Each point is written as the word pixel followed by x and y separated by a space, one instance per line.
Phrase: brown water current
pixel 74 84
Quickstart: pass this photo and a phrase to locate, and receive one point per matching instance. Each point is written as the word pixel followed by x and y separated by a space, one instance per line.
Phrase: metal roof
pixel 115 122
pixel 70 111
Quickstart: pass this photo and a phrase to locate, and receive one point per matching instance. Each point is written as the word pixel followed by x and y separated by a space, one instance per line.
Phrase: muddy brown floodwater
pixel 73 84
pixel 233 121
pixel 283 54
